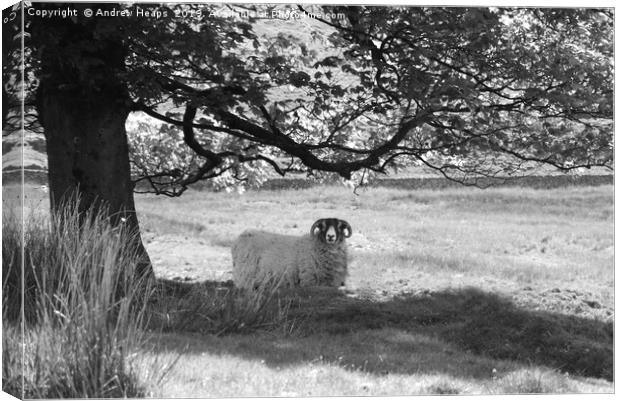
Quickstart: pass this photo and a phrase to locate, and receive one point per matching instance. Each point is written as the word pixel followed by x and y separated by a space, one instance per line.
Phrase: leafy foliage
pixel 473 93
pixel 357 90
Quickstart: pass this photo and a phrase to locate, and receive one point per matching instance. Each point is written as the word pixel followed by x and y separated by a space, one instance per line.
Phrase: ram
pixel 315 259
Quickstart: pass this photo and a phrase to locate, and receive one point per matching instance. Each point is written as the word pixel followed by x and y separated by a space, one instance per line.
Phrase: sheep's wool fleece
pixel 260 256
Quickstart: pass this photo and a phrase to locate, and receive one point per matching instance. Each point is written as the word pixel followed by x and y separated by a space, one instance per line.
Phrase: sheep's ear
pixel 345 228
pixel 317 224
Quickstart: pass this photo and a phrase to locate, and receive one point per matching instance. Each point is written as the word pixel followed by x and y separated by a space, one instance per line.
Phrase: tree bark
pixel 83 104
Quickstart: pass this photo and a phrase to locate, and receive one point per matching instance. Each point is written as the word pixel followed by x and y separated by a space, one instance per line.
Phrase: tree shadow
pixel 179 289
pixel 458 332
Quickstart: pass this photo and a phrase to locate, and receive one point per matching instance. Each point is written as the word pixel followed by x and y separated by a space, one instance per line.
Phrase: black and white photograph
pixel 231 200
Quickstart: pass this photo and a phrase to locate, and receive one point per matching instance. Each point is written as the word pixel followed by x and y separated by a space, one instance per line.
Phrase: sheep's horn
pixel 347 226
pixel 315 225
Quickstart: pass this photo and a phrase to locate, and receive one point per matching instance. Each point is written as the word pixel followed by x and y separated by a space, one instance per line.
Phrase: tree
pixel 472 93
pixel 512 85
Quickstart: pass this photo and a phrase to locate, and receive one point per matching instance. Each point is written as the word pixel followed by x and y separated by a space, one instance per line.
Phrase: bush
pixel 83 306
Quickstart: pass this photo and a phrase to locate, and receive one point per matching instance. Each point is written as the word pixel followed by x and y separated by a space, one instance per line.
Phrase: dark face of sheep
pixel 331 231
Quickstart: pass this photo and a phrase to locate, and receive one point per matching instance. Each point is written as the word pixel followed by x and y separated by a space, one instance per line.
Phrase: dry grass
pixel 520 237
pixel 454 291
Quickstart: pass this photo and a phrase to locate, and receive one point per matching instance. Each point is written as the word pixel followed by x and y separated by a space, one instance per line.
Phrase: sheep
pixel 315 259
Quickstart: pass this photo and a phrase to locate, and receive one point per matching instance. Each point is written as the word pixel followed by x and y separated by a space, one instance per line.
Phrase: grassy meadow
pixel 453 291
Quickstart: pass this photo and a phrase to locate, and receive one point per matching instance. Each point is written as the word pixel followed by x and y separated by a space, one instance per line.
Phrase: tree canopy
pixel 349 90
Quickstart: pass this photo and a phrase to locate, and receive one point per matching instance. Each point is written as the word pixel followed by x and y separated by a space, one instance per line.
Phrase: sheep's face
pixel 331 231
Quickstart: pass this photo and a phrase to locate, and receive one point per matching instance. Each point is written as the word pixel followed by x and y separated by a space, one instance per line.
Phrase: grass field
pixel 457 291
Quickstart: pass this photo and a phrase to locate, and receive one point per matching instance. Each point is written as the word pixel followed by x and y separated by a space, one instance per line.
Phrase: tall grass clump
pixel 83 306
pixel 220 308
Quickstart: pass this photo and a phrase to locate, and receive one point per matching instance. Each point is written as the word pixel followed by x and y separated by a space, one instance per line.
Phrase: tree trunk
pixel 83 104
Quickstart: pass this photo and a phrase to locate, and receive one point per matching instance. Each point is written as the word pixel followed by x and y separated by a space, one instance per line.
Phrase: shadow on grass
pixel 465 333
